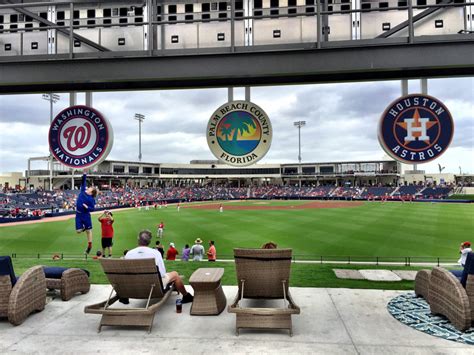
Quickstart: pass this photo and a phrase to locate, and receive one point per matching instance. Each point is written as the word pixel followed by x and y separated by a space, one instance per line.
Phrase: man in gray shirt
pixel 197 250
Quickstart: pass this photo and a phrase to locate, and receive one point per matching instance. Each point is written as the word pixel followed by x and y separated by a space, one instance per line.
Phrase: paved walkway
pixel 332 321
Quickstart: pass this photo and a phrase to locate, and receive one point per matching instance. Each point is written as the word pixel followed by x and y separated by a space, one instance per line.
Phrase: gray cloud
pixel 341 122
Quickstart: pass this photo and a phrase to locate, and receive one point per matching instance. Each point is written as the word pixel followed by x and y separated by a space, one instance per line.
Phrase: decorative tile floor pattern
pixel 415 312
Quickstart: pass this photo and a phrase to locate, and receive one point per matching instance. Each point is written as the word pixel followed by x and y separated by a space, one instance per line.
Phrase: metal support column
pixel 411 32
pixel 72 102
pixel 230 94
pixel 72 98
pixel 424 86
pixel 89 98
pixel 318 23
pixel 71 30
pixel 404 87
pixel 247 93
pixel 232 27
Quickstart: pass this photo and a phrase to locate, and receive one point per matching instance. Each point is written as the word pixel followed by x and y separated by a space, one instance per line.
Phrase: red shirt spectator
pixel 171 253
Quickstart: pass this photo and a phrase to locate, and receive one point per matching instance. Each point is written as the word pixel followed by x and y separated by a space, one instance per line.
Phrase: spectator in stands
pixel 160 248
pixel 197 250
pixel 186 252
pixel 143 251
pixel 463 250
pixel 211 253
pixel 172 252
pixel 269 245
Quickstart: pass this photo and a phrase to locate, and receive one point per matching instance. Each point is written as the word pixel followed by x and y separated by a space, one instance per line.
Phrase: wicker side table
pixel 209 298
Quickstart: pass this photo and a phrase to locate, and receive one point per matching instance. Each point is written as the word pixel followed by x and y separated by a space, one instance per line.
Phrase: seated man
pixel 143 251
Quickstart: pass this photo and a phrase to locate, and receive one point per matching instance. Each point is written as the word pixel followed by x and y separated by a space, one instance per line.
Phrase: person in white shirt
pixel 463 250
pixel 143 251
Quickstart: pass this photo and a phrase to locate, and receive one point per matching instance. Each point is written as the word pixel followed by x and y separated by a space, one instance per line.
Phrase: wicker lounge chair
pixel 263 274
pixel 138 279
pixel 20 297
pixel 69 281
pixel 453 297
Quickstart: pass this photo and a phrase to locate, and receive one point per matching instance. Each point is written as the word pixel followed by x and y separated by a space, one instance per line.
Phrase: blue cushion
pixel 56 272
pixel 6 268
pixel 468 268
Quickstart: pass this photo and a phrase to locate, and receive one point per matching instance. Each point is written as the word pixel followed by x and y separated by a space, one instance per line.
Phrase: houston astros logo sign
pixel 80 137
pixel 415 129
pixel 239 133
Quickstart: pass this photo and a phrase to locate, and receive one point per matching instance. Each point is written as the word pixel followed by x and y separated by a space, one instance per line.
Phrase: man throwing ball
pixel 85 204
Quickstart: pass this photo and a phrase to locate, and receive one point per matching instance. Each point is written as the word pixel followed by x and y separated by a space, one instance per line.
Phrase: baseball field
pixel 312 229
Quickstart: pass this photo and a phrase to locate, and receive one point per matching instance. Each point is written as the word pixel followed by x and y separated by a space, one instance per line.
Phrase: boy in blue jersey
pixel 85 204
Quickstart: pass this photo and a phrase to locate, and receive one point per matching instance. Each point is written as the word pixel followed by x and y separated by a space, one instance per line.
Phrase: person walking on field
pixel 197 250
pixel 211 253
pixel 161 228
pixel 85 204
pixel 106 220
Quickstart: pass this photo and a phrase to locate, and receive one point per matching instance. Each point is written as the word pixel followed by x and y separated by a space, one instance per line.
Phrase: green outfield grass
pixel 462 197
pixel 374 229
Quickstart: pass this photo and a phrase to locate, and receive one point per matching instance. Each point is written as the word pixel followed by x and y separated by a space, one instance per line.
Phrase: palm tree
pixel 241 125
pixel 226 131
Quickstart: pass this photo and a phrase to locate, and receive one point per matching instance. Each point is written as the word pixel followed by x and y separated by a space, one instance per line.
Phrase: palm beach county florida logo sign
pixel 416 129
pixel 80 137
pixel 239 133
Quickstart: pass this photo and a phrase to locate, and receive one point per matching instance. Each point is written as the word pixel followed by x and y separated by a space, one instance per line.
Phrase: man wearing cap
pixel 463 250
pixel 171 253
pixel 143 251
pixel 197 250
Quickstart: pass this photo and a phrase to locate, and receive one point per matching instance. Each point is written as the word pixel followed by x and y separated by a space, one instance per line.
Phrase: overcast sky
pixel 341 122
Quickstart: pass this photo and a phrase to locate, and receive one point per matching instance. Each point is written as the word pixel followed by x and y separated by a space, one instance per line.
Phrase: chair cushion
pixel 6 268
pixel 56 272
pixel 468 268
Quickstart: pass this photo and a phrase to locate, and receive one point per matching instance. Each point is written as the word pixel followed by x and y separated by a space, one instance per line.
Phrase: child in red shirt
pixel 106 221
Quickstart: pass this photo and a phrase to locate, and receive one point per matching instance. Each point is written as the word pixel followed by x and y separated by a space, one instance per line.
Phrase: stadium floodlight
pixel 140 118
pixel 52 98
pixel 299 124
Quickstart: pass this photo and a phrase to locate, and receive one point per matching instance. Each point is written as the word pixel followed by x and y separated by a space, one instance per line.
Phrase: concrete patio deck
pixel 332 321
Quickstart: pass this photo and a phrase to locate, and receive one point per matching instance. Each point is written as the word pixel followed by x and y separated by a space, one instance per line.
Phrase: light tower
pixel 299 124
pixel 140 118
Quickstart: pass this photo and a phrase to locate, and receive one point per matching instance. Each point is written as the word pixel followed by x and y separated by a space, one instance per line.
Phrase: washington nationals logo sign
pixel 415 129
pixel 239 133
pixel 80 137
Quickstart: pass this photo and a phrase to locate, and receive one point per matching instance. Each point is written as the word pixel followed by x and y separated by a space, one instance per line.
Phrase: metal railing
pixel 296 258
pixel 152 48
